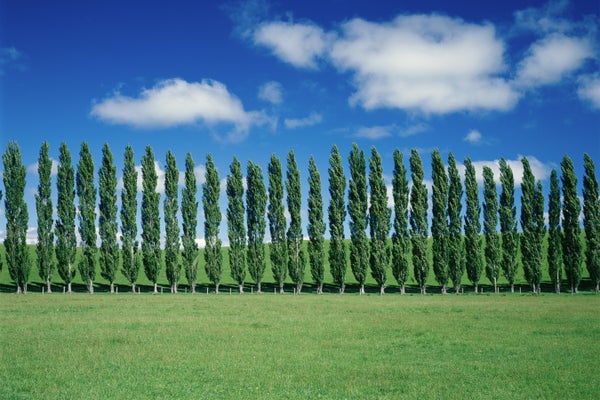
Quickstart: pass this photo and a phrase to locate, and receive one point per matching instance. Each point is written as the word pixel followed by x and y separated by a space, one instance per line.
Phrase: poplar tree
pixel 295 251
pixel 456 264
pixel 401 236
pixel 591 221
pixel 337 214
pixel 379 221
pixel 508 224
pixel 189 215
pixel 66 242
pixel 109 249
pixel 418 221
pixel 150 219
pixel 43 205
pixel 357 210
pixel 235 223
pixel 170 208
pixel 256 203
pixel 212 219
pixel 17 217
pixel 275 213
pixel 571 241
pixel 472 226
pixel 532 224
pixel 316 226
pixel 490 223
pixel 129 248
pixel 86 193
pixel 554 233
pixel 439 222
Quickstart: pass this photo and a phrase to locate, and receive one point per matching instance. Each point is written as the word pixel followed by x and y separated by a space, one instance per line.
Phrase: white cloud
pixel 552 58
pixel 174 102
pixel 271 92
pixel 428 63
pixel 413 130
pixel 544 19
pixel 31 237
pixel 473 137
pixel 297 44
pixel 539 169
pixel 589 90
pixel 10 56
pixel 312 119
pixel 33 168
pixel 374 132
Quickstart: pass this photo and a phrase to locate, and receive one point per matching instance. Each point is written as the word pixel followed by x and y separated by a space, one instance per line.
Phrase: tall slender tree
pixel 456 259
pixel 357 210
pixel 508 224
pixel 316 226
pixel 109 249
pixel 439 222
pixel 401 235
pixel 555 265
pixel 150 219
pixel 571 240
pixel 591 220
pixel 379 221
pixel 490 224
pixel 189 215
pixel 86 193
pixel 212 219
pixel 418 221
pixel 295 250
pixel 170 207
pixel 472 226
pixel 275 213
pixel 256 204
pixel 66 242
pixel 17 217
pixel 43 205
pixel 235 223
pixel 129 247
pixel 532 224
pixel 337 214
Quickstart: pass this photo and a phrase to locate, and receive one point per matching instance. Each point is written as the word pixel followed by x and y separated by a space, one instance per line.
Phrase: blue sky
pixel 252 78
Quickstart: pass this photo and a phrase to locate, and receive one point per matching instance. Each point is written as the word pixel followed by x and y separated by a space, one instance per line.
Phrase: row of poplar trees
pixel 457 241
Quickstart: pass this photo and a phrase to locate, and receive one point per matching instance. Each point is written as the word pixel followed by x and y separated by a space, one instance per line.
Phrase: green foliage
pixel 571 241
pixel 275 213
pixel 17 217
pixel 256 203
pixel 555 264
pixel 508 223
pixel 212 219
pixel 357 210
pixel 150 218
pixel 379 221
pixel 235 222
pixel 490 224
pixel 170 207
pixel 66 242
pixel 295 250
pixel 86 193
pixel 43 206
pixel 532 223
pixel 316 226
pixel 418 221
pixel 189 214
pixel 109 250
pixel 130 267
pixel 591 220
pixel 439 222
pixel 473 260
pixel 337 214
pixel 456 258
pixel 401 236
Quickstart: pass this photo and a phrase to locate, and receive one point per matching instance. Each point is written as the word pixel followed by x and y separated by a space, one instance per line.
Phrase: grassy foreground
pixel 299 347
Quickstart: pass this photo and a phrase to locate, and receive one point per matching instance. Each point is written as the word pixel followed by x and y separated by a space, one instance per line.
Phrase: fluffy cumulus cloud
pixel 175 102
pixel 589 90
pixel 382 131
pixel 540 170
pixel 271 92
pixel 312 119
pixel 473 137
pixel 33 168
pixel 298 44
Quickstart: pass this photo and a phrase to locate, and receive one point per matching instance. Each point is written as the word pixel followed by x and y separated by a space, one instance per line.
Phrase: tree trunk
pixel 423 289
pixel 217 288
pixel 281 291
pixel 112 287
pixel 258 287
pixel 48 286
pixel 597 287
pixel 512 287
pixel 241 287
pixel 342 288
pixel 90 286
pixel 320 288
pixel 557 288
pixel 362 289
pixel 457 289
pixel 298 287
pixel 133 287
pixel 475 287
pixel 402 289
pixel 18 289
pixel 381 290
pixel 444 289
pixel 495 286
pixel 69 288
pixel 193 285
pixel 155 288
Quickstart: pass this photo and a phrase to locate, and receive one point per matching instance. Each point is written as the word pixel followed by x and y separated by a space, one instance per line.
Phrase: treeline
pixel 459 242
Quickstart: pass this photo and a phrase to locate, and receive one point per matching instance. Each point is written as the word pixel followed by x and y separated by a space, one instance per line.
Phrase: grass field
pixel 299 347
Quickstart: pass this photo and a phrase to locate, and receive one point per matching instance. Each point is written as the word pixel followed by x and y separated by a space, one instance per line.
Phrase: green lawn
pixel 299 347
